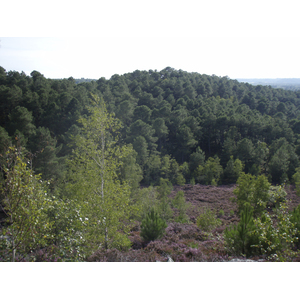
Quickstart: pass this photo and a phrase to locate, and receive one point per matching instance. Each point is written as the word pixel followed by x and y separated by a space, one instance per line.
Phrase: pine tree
pixel 152 226
pixel 238 238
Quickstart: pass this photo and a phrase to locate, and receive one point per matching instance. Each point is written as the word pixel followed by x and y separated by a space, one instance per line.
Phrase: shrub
pixel 295 219
pixel 277 194
pixel 238 238
pixel 221 212
pixel 145 198
pixel 254 191
pixel 262 235
pixel 207 221
pixel 163 206
pixel 273 237
pixel 153 227
pixel 180 204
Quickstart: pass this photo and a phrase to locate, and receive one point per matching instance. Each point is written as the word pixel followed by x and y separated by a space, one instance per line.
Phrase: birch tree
pixel 93 183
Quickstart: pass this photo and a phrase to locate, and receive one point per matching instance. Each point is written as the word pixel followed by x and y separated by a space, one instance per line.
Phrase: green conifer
pixel 152 226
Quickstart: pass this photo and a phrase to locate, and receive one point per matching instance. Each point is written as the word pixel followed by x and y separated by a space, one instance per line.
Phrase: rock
pixel 242 260
pixel 170 258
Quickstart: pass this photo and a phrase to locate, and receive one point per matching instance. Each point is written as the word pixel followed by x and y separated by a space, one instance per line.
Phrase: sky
pixel 238 39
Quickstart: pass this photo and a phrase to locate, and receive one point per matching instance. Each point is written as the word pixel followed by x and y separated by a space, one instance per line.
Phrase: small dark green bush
pixel 153 227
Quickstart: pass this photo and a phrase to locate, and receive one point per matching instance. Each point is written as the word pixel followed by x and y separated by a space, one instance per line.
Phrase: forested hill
pixel 183 126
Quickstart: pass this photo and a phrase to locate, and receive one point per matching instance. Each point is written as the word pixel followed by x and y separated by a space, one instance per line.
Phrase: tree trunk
pixel 106 239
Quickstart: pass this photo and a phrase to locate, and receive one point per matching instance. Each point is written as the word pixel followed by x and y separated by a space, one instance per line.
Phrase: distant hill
pixel 292 84
pixel 84 80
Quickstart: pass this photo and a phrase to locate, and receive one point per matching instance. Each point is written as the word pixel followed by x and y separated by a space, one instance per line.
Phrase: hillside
pixel 173 119
pixel 89 159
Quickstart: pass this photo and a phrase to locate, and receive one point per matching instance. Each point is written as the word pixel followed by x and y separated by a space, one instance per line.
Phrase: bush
pixel 180 204
pixel 164 207
pixel 295 220
pixel 262 235
pixel 221 213
pixel 274 237
pixel 153 227
pixel 277 195
pixel 208 220
pixel 238 238
pixel 254 191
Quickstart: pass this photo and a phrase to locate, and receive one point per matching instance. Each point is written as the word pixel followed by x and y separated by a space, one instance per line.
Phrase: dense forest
pixel 161 128
pixel 176 122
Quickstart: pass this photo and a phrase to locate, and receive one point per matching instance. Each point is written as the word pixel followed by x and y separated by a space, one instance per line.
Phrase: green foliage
pixel 207 220
pixel 279 165
pixel 221 212
pixel 233 170
pixel 5 140
pixel 263 235
pixel 245 152
pixel 153 226
pixel 277 194
pixel 295 219
pixel 180 179
pixel 238 238
pixel 67 221
pixel 252 190
pixel 44 157
pixel 164 204
pixel 274 237
pixel 167 116
pixel 180 204
pixel 211 172
pixel 21 119
pixel 192 181
pixel 25 204
pixel 160 113
pixel 271 237
pixel 296 179
pixel 93 181
pixel 145 199
pixel 130 171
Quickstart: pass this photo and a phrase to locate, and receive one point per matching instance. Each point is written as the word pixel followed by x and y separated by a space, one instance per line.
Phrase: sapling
pixel 152 226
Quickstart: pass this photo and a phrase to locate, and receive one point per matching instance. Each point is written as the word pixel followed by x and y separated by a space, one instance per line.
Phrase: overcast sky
pixel 239 39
